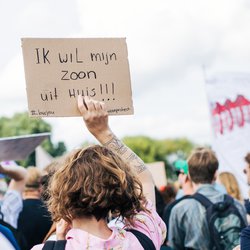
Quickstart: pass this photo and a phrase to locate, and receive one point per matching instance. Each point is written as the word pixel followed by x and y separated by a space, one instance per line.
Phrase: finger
pixel 103 106
pixel 89 103
pixel 98 106
pixel 81 104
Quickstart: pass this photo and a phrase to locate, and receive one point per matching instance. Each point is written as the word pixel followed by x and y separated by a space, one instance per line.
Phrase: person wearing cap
pixel 181 170
pixel 184 181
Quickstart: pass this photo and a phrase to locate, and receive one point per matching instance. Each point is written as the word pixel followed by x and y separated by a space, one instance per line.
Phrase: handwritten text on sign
pixel 58 70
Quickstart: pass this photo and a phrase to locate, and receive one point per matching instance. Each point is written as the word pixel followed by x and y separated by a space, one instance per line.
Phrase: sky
pixel 173 46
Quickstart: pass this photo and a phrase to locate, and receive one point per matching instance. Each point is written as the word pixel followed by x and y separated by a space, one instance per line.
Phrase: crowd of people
pixel 104 197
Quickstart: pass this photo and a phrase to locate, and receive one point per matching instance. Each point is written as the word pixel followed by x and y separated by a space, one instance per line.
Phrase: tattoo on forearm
pixel 116 145
pixel 140 168
pixel 132 157
pixel 126 153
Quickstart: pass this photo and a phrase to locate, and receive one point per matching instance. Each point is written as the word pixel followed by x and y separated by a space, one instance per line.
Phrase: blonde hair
pixel 229 181
pixel 33 181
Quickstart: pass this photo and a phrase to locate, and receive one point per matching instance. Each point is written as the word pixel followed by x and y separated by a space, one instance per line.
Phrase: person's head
pixel 92 183
pixel 33 181
pixel 168 193
pixel 202 165
pixel 229 181
pixel 181 170
pixel 247 168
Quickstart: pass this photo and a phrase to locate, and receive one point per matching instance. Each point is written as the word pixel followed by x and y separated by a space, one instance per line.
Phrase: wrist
pixel 60 236
pixel 104 136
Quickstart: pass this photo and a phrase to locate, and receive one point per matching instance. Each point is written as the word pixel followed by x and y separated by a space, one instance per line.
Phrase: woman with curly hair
pixel 100 180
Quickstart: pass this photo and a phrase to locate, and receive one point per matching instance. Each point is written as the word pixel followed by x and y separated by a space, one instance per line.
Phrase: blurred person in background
pixel 11 205
pixel 159 201
pixel 181 170
pixel 168 193
pixel 189 227
pixel 231 185
pixel 184 192
pixel 245 234
pixel 3 188
pixel 34 211
pixel 247 172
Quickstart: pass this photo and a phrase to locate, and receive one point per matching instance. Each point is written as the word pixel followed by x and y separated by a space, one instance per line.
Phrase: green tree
pixel 22 124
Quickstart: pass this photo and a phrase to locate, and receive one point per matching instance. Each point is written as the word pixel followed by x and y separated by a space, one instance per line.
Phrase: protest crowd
pixel 104 197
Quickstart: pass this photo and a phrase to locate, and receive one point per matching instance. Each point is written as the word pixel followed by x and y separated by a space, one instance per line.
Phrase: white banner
pixel 229 102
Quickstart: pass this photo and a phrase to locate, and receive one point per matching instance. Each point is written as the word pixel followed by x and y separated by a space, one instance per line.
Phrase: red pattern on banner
pixel 230 114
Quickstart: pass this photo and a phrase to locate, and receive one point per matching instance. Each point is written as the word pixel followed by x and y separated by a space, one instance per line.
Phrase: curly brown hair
pixel 94 182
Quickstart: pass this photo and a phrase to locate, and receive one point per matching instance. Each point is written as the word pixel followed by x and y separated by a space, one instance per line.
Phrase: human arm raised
pixel 18 177
pixel 95 117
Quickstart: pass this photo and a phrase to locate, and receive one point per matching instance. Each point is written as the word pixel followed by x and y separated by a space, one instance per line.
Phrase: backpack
pixel 9 236
pixel 145 241
pixel 224 222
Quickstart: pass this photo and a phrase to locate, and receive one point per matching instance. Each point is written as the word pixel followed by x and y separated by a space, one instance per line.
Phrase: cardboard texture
pixel 19 147
pixel 57 70
pixel 158 172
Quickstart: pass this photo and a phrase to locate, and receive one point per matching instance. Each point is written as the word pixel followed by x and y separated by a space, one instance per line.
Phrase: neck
pixel 198 185
pixel 34 194
pixel 92 226
pixel 187 187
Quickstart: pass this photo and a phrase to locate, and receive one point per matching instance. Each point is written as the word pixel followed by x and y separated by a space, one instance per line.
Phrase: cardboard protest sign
pixel 58 70
pixel 158 172
pixel 19 147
